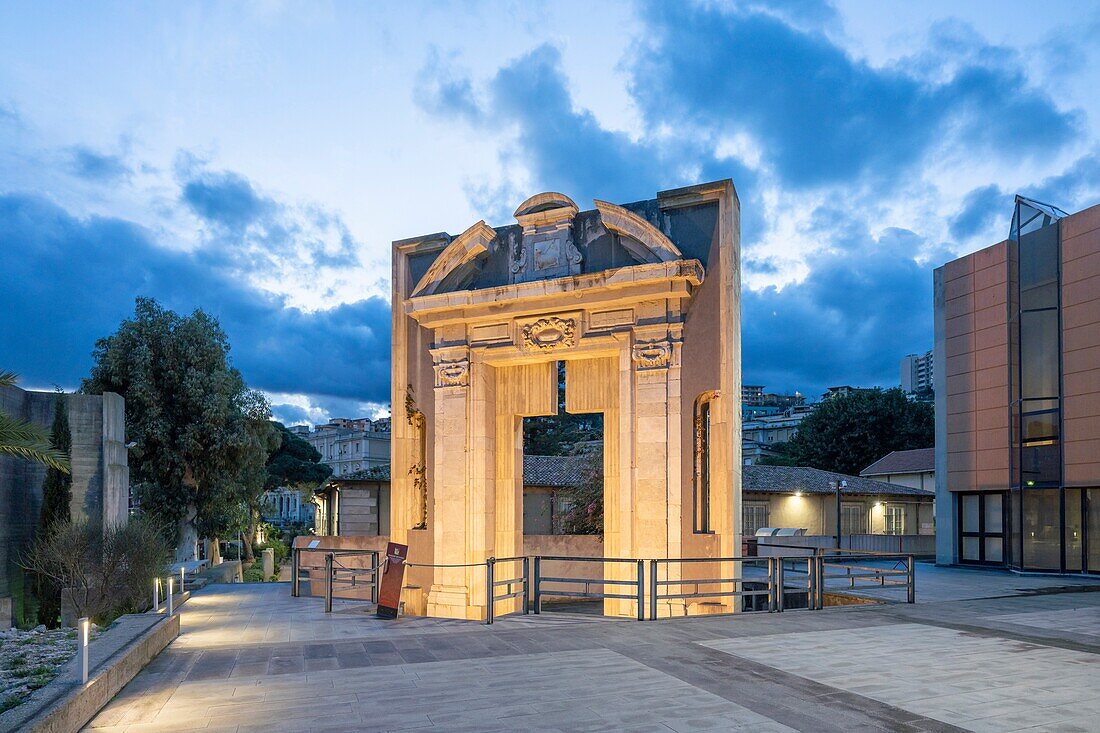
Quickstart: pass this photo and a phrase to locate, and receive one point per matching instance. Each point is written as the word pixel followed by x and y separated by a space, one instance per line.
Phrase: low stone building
pixel 100 474
pixel 916 468
pixel 773 496
pixel 805 498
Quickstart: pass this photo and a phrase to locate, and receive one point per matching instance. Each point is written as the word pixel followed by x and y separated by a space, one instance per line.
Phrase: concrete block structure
pixel 642 302
pixel 101 477
pixel 1018 397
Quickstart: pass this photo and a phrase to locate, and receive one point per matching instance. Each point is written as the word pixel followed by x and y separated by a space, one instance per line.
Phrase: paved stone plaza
pixel 980 651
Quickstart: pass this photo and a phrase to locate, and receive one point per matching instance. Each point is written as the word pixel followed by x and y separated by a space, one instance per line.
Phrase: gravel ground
pixel 30 659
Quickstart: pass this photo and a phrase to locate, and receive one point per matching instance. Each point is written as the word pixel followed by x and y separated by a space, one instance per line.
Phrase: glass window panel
pixel 994 549
pixel 1040 464
pixel 1040 427
pixel 1038 273
pixel 970 514
pixel 1074 534
pixel 970 548
pixel 1094 530
pixel 994 523
pixel 1042 529
pixel 1039 354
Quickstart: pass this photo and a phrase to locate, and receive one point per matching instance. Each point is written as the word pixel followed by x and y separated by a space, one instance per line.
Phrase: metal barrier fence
pixel 336 572
pixel 638 584
pixel 770 577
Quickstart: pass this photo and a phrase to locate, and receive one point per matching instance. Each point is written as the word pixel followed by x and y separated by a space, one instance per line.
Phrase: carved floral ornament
pixel 548 334
pixel 452 373
pixel 652 355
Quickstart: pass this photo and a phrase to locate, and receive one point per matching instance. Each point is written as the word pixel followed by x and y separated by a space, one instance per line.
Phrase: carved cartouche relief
pixel 652 355
pixel 548 334
pixel 452 374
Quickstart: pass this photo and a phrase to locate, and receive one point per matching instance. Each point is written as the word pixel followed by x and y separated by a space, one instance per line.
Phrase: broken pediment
pixel 550 242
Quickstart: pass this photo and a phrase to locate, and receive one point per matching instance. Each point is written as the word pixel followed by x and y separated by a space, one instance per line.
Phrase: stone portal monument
pixel 642 303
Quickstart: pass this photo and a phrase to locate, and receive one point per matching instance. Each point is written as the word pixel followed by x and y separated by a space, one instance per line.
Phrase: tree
pixel 23 439
pixel 294 463
pixel 291 462
pixel 202 436
pixel 847 434
pixel 57 495
pixel 105 571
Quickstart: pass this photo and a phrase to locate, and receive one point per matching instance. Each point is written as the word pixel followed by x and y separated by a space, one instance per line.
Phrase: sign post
pixel 389 597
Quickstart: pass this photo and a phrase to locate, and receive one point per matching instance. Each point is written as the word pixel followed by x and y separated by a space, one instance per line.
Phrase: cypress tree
pixel 57 494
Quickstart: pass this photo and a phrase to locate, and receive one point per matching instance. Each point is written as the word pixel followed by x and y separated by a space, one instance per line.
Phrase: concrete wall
pixel 99 471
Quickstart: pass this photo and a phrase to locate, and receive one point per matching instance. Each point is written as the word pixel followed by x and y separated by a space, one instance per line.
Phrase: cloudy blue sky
pixel 256 160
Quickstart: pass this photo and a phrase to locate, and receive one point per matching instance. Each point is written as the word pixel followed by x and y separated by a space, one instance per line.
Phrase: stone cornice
pixel 676 279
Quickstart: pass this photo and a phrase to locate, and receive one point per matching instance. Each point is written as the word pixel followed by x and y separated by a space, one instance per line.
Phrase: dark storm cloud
pixel 850 321
pixel 76 279
pixel 980 208
pixel 822 116
pixel 99 167
pixel 567 149
pixel 224 198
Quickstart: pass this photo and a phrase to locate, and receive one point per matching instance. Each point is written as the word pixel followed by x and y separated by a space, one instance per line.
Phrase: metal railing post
pixel 374 577
pixel 810 595
pixel 653 589
pixel 779 584
pixel 328 581
pixel 526 584
pixel 771 585
pixel 489 591
pixel 294 560
pixel 641 590
pixel 537 590
pixel 911 578
pixel 820 572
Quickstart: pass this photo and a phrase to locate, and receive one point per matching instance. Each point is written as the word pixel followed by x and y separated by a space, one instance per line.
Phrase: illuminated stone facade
pixel 642 302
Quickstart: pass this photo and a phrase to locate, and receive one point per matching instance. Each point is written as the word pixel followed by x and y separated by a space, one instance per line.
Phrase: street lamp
pixel 838 486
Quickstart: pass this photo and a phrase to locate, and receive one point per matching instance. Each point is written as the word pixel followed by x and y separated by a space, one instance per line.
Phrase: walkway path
pixel 251 658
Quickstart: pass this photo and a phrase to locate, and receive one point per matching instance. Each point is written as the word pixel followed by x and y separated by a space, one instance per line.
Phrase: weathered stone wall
pixel 100 474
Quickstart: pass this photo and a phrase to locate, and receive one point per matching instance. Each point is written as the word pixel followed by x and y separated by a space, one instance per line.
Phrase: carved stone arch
pixel 655 246
pixel 464 249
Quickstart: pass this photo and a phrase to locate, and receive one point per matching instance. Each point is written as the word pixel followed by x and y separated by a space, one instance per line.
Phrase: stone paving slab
pixel 251 658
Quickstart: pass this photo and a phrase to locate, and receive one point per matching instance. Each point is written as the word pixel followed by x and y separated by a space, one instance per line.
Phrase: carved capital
pixel 452 373
pixel 652 355
pixel 549 334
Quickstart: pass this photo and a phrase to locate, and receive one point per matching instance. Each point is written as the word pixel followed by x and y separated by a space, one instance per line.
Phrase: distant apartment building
pixel 756 403
pixel 916 372
pixel 284 506
pixel 760 435
pixel 1017 374
pixel 350 445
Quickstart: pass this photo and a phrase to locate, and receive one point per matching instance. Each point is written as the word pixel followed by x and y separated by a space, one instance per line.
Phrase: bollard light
pixel 182 581
pixel 170 596
pixel 85 624
pixel 156 595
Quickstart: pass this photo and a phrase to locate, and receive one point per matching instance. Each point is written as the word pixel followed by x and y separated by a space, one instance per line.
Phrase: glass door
pixel 981 528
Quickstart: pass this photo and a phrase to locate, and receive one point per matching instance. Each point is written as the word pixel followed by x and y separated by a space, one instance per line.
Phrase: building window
pixel 893 517
pixel 701 474
pixel 851 518
pixel 754 516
